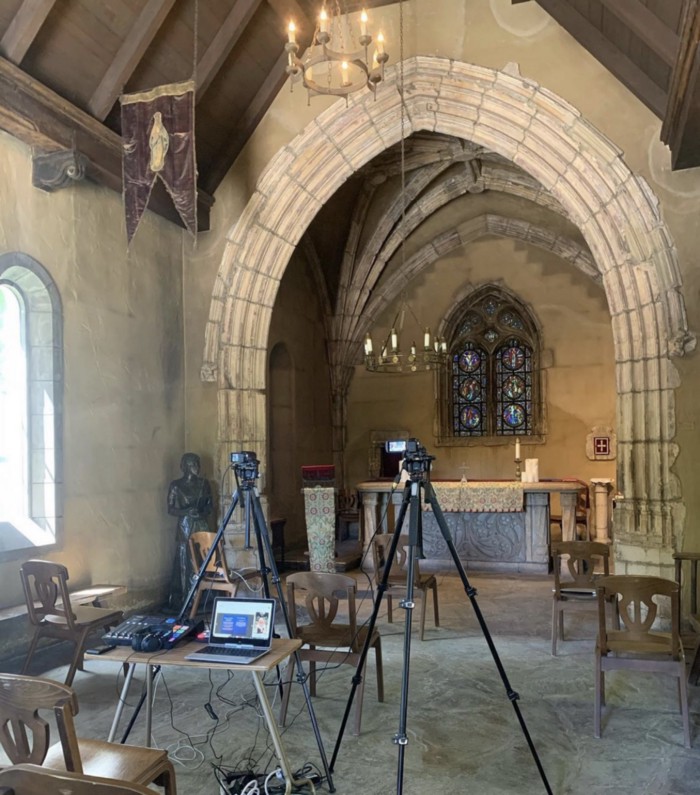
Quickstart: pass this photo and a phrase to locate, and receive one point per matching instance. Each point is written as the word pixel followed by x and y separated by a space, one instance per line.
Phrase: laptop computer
pixel 240 630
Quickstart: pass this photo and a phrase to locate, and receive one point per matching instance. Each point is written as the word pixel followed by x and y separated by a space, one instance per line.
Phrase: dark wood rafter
pixel 613 59
pixel 23 29
pixel 224 41
pixel 127 58
pixel 247 123
pixel 647 27
pixel 45 121
pixel 681 127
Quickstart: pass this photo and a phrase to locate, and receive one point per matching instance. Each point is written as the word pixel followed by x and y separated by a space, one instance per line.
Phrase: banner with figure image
pixel 158 142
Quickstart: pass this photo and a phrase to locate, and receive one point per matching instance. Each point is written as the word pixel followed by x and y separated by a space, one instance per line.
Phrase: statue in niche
pixel 190 499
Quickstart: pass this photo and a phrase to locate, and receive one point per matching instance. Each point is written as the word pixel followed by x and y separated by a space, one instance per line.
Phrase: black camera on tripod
pixel 246 464
pixel 415 457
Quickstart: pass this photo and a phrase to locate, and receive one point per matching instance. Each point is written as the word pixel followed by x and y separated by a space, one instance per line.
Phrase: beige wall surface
pixel 579 381
pixel 123 419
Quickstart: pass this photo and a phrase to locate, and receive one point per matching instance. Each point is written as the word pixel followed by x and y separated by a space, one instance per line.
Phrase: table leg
pixel 276 739
pixel 568 502
pixel 122 700
pixel 150 673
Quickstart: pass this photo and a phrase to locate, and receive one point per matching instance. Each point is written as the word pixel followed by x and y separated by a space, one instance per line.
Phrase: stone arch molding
pixel 615 210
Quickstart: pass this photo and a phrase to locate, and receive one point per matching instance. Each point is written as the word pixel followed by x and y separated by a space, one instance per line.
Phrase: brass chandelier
pixel 391 359
pixel 336 63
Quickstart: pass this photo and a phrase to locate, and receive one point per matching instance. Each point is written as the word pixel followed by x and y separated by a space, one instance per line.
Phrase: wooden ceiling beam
pixel 647 27
pixel 264 96
pixel 224 41
pixel 23 29
pixel 136 43
pixel 625 70
pixel 681 127
pixel 42 119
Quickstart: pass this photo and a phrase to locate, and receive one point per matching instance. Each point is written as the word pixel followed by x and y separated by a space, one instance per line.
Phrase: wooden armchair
pixel 324 639
pixel 35 780
pixel 25 737
pixel 52 615
pixel 636 644
pixel 574 588
pixel 396 584
pixel 217 576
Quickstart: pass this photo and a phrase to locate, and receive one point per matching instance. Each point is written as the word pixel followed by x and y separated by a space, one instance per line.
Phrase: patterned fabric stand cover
pixel 319 504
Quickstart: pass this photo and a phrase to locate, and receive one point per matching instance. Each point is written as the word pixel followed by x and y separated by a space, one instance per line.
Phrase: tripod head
pixel 246 466
pixel 416 460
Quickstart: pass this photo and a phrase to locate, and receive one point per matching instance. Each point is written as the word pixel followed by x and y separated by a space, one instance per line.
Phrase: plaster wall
pixel 123 407
pixel 579 374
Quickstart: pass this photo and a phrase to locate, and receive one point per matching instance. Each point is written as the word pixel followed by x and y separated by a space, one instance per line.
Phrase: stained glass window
pixel 494 384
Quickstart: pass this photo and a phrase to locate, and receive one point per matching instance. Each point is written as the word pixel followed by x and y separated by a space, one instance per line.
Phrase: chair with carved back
pixel 36 780
pixel 217 576
pixel 325 639
pixel 25 737
pixel 396 583
pixel 577 565
pixel 52 615
pixel 635 643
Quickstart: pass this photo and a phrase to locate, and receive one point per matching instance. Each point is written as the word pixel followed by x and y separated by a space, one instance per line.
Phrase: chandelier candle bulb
pixel 363 22
pixel 413 349
pixel 394 340
pixel 292 33
pixel 380 43
pixel 426 339
pixel 368 345
pixel 323 21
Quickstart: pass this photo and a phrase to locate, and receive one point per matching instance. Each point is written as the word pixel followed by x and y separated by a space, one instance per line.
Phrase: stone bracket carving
pixel 52 171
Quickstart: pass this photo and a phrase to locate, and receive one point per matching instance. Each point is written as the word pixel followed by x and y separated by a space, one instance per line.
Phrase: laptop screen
pixel 243 620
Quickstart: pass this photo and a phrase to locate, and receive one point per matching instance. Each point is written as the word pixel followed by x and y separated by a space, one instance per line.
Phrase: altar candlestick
pixel 517 449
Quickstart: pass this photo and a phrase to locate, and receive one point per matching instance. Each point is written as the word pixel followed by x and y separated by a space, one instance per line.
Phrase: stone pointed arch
pixel 615 210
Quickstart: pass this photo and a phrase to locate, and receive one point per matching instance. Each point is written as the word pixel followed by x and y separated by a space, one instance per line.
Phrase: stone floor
pixel 464 736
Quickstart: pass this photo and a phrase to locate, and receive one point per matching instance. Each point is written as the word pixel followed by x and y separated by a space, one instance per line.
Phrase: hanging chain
pixel 403 146
pixel 195 44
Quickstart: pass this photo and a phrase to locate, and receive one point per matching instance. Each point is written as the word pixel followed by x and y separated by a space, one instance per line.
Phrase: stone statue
pixel 189 498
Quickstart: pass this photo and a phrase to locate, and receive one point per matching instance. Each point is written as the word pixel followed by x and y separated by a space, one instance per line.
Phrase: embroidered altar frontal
pixel 485 497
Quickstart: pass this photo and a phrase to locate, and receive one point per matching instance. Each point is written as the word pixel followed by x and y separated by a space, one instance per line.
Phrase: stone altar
pixel 490 532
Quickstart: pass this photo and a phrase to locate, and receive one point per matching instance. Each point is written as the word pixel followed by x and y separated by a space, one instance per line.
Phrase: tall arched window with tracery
pixel 31 393
pixel 492 388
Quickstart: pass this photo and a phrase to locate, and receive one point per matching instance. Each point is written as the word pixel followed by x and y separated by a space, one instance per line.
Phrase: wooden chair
pixel 582 517
pixel 636 644
pixel 396 584
pixel 324 639
pixel 25 737
pixel 217 576
pixel 35 780
pixel 574 588
pixel 689 621
pixel 52 615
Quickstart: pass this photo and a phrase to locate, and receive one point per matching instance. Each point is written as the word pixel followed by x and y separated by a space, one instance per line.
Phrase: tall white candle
pixel 517 448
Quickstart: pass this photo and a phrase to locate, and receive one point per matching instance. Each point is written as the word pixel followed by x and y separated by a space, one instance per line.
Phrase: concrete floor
pixel 464 736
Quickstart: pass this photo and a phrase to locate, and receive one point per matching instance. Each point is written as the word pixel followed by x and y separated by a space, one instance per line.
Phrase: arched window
pixel 31 356
pixel 492 388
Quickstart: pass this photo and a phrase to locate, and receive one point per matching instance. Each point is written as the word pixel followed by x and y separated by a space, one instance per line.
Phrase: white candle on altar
pixel 517 449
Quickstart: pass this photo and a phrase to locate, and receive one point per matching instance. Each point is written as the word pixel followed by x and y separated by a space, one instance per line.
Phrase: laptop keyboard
pixel 226 652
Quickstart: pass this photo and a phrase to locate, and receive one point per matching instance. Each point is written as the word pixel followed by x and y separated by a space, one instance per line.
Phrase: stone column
pixel 601 508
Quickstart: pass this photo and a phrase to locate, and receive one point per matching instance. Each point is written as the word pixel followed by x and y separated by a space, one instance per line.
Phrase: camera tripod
pixel 417 464
pixel 245 467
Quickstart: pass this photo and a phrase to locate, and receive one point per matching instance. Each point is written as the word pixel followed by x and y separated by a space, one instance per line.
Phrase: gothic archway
pixel 614 209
